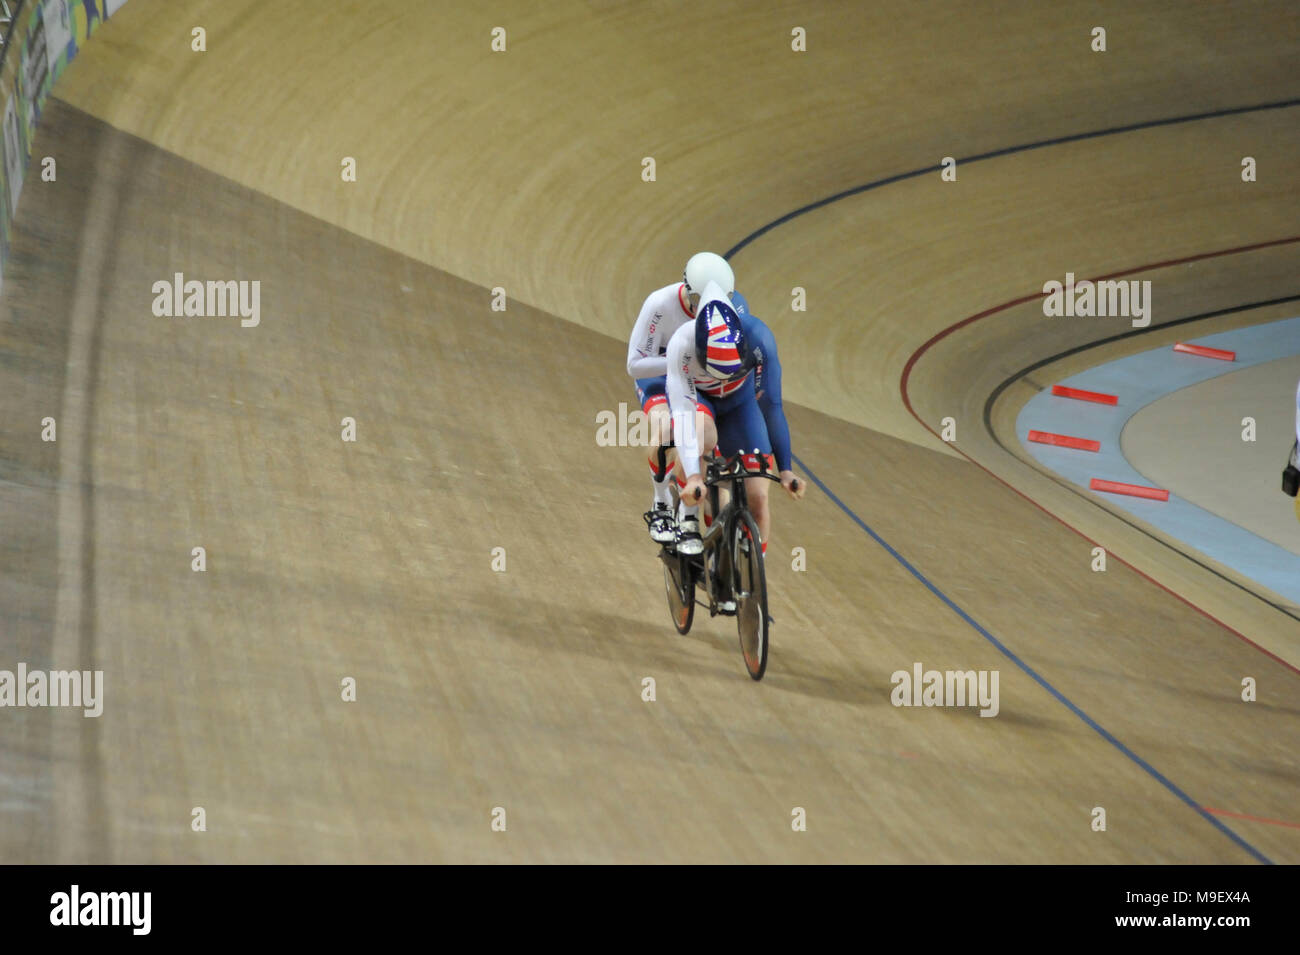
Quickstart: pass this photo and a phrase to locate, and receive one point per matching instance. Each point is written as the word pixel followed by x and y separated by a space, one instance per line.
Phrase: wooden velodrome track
pixel 476 430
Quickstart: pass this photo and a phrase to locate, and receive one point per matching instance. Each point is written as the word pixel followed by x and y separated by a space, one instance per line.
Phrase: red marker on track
pixel 1064 441
pixel 1206 352
pixel 1102 399
pixel 1133 490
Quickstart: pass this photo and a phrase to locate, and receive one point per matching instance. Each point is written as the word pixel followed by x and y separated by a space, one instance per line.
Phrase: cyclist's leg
pixel 660 519
pixel 757 490
pixel 652 396
pixel 659 454
pixel 741 428
pixel 737 432
pixel 706 433
pixel 689 540
pixel 660 424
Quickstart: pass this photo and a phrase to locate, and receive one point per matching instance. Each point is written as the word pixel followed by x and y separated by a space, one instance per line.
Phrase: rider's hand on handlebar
pixel 693 493
pixel 793 485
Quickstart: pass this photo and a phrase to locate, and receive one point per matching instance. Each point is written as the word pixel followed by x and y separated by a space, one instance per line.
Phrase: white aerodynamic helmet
pixel 705 267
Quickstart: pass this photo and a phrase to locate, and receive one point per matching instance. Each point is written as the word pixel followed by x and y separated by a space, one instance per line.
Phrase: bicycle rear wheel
pixel 679 581
pixel 751 595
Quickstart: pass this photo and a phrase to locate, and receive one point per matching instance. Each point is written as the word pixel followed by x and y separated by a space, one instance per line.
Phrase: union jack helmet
pixel 720 339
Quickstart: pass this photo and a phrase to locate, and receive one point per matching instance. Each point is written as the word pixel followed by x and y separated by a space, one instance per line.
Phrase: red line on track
pixel 1242 815
pixel 934 339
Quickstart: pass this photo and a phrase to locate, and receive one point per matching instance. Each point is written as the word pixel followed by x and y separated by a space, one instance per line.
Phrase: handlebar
pixel 733 469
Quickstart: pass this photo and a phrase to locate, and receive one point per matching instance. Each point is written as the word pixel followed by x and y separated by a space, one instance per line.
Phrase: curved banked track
pixel 521 687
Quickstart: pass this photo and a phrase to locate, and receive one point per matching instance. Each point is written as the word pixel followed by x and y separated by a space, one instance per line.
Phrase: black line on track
pixel 1006 151
pixel 1077 491
pixel 1010 150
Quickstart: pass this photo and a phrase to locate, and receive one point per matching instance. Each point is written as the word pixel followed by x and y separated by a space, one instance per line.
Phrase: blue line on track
pixel 1001 647
pixel 1006 151
pixel 1009 150
pixel 1061 697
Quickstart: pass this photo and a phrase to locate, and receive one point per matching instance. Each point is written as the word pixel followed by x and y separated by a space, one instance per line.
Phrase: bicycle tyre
pixel 681 610
pixel 751 596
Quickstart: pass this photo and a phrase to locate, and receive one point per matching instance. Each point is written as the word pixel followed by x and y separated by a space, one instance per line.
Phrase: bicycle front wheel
pixel 679 581
pixel 751 595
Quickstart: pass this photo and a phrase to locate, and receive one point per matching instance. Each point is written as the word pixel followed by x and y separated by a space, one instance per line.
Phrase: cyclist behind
pixel 666 310
pixel 714 363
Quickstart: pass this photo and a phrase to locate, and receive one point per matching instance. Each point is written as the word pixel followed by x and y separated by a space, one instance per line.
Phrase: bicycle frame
pixel 731 473
pixel 729 567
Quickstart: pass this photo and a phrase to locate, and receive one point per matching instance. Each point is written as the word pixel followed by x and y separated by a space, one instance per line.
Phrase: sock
pixel 661 493
pixel 659 479
pixel 685 511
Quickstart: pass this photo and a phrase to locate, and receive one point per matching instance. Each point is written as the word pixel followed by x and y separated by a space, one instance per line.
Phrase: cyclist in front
pixel 718 363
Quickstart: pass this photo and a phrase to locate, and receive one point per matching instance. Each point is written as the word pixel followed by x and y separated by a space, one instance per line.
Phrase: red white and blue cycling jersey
pixel 719 389
pixel 748 412
pixel 732 403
